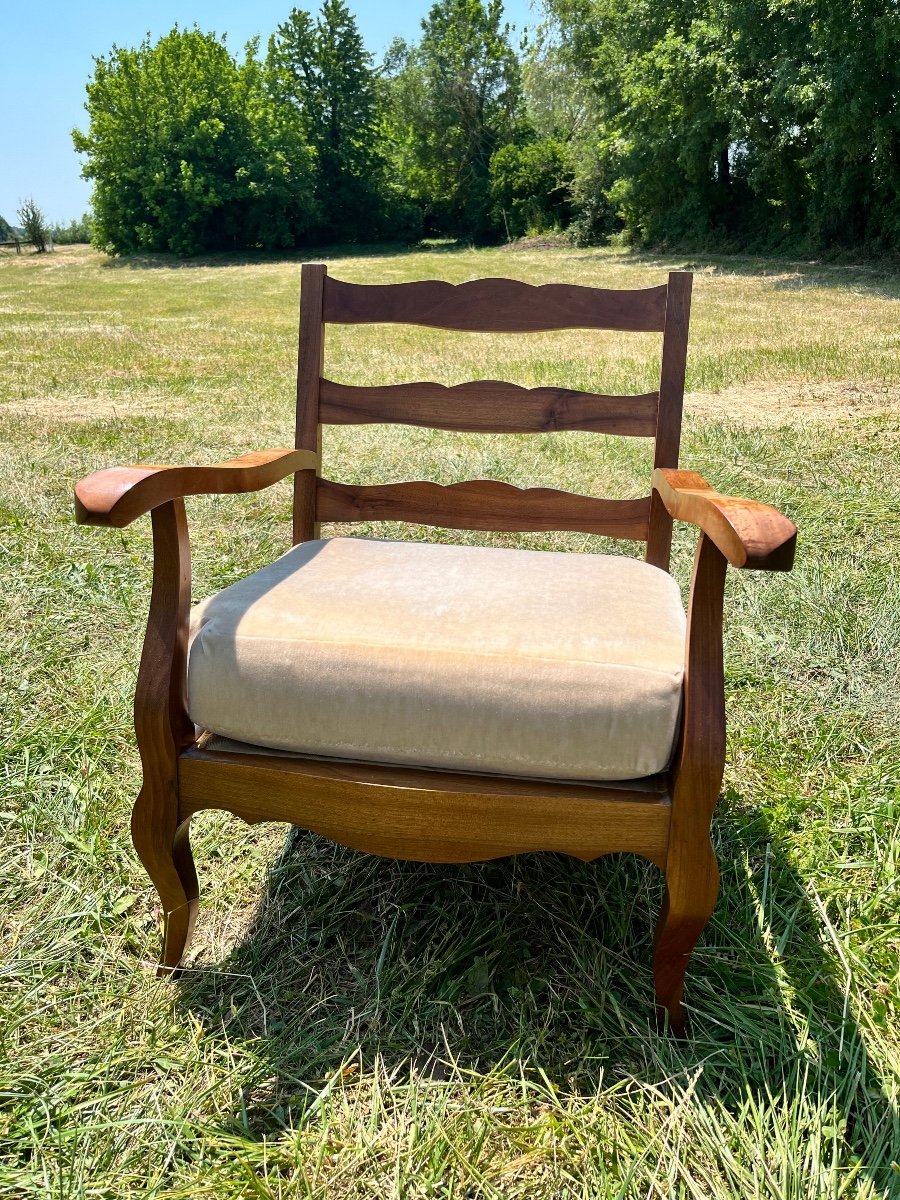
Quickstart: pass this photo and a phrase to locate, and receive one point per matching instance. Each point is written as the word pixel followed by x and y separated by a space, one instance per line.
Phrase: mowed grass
pixel 352 1027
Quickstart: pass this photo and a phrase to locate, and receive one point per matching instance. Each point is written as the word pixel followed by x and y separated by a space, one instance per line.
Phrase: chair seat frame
pixel 425 815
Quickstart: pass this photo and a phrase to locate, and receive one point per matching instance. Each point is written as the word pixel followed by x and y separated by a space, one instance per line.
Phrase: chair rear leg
pixel 169 863
pixel 692 885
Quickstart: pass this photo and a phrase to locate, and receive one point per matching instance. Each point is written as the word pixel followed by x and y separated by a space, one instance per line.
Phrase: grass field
pixel 351 1027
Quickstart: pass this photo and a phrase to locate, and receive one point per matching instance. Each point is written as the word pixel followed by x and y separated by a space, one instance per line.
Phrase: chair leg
pixel 170 865
pixel 163 728
pixel 692 873
pixel 692 885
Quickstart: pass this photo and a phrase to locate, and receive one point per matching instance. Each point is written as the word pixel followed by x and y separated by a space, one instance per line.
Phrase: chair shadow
pixel 540 962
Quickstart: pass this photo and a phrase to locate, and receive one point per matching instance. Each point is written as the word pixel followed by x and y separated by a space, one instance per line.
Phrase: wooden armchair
pixel 448 703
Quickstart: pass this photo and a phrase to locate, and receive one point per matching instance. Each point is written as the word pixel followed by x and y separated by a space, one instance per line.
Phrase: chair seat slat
pixel 483 504
pixel 488 406
pixel 496 305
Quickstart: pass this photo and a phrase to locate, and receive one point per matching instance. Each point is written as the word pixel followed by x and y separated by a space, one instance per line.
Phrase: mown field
pixel 351 1027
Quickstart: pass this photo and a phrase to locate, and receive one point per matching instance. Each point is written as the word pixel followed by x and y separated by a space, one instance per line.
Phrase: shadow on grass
pixel 541 964
pixel 879 278
pixel 246 258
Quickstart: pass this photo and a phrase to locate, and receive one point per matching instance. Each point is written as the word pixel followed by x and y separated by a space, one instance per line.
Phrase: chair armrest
pixel 747 533
pixel 118 495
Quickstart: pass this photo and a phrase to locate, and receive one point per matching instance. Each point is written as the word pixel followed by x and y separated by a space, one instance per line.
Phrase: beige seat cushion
pixel 520 662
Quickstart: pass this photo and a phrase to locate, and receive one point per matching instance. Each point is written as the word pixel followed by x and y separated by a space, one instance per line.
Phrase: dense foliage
pixel 185 154
pixel 191 150
pixel 321 78
pixel 734 123
pixel 740 122
pixel 451 101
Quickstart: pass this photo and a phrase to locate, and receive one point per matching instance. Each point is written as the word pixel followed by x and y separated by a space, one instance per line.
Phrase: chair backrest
pixel 488 406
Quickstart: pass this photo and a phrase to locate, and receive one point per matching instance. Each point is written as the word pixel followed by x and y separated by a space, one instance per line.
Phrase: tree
pixel 76 231
pixel 664 88
pixel 453 100
pixel 34 224
pixel 558 101
pixel 281 209
pixel 323 73
pixel 855 155
pixel 182 152
pixel 561 106
pixel 529 186
pixel 747 122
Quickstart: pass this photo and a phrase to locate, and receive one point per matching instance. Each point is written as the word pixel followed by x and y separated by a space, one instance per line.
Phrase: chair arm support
pixel 747 533
pixel 117 496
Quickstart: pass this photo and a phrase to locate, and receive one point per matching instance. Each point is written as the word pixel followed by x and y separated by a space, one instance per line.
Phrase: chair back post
pixel 310 364
pixel 671 404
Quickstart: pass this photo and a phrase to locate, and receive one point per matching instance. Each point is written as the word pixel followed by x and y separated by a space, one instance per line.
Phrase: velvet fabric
pixel 518 662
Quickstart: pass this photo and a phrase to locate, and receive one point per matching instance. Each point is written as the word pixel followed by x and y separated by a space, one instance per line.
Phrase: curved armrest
pixel 119 495
pixel 747 533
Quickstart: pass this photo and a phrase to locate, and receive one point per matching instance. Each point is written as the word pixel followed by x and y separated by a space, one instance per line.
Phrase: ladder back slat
pixel 488 406
pixel 483 504
pixel 496 305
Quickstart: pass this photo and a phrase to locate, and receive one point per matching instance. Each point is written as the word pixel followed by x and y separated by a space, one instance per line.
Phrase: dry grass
pixel 352 1027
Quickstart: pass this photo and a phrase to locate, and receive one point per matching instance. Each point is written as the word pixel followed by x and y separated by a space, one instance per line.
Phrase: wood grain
pixel 483 504
pixel 308 428
pixel 118 495
pixel 428 816
pixel 435 816
pixel 671 403
pixel 488 406
pixel 749 534
pixel 163 730
pixel 692 873
pixel 496 305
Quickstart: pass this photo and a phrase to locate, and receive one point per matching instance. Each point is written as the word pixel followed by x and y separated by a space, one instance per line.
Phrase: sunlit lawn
pixel 352 1027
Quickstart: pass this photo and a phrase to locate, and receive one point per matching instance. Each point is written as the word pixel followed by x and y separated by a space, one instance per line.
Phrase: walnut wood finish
pixel 118 495
pixel 310 360
pixel 499 305
pixel 749 534
pixel 163 730
pixel 692 873
pixel 428 816
pixel 482 504
pixel 488 406
pixel 671 402
pixel 495 306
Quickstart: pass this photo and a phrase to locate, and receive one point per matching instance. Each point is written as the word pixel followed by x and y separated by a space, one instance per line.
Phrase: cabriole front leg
pixel 692 886
pixel 170 865
pixel 163 729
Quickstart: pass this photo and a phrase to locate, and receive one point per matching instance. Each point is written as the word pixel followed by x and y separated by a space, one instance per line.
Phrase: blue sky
pixel 46 57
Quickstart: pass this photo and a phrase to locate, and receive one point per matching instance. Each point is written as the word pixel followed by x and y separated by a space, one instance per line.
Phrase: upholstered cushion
pixel 466 658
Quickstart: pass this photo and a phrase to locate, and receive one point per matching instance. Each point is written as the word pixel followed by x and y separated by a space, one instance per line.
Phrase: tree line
pixel 740 124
